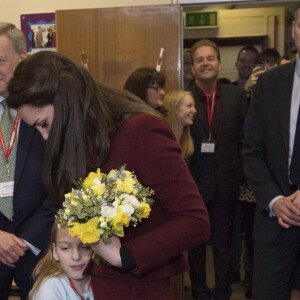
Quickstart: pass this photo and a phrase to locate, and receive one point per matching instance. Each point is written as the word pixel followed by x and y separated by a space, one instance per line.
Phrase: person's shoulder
pixel 143 120
pixel 52 282
pixel 232 89
pixel 138 125
pixel 50 285
pixel 230 86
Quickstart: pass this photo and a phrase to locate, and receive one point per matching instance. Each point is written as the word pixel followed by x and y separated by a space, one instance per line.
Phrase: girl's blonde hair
pixel 47 266
pixel 172 102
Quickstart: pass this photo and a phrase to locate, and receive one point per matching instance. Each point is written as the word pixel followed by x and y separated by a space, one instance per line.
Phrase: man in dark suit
pixel 269 155
pixel 216 164
pixel 24 229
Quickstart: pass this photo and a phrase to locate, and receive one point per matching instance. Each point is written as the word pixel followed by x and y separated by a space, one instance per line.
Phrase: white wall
pixel 10 10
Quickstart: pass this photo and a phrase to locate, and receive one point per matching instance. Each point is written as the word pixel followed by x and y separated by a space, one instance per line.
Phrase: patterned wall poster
pixel 40 31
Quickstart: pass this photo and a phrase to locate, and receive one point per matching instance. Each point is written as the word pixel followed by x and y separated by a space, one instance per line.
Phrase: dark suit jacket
pixel 33 210
pixel 221 170
pixel 266 146
pixel 178 220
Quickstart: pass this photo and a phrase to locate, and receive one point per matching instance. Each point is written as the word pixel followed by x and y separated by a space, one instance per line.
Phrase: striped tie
pixel 6 124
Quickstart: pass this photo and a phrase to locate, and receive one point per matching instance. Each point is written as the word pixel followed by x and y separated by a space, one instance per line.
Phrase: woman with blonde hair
pixel 181 111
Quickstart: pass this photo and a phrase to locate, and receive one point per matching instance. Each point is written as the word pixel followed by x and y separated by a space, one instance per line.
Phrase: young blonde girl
pixel 60 273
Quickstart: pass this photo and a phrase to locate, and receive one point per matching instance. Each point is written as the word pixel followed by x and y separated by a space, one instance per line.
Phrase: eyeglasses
pixel 156 88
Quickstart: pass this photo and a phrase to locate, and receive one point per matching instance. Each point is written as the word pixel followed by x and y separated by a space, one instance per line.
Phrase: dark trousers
pixel 221 215
pixel 243 232
pixel 274 266
pixel 22 277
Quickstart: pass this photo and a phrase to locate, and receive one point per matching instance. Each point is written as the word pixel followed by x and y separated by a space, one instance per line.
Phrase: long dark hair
pixel 86 114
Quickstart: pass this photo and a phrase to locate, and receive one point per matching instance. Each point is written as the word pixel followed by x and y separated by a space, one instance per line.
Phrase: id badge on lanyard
pixel 208 146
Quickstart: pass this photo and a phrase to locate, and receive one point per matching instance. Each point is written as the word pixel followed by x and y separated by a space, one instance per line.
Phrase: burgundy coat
pixel 178 220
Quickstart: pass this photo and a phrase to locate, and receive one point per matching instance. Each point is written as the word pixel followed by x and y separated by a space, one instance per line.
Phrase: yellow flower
pixel 128 185
pixel 87 232
pixel 98 189
pixel 127 173
pixel 119 185
pixel 107 203
pixel 92 179
pixel 121 219
pixel 144 210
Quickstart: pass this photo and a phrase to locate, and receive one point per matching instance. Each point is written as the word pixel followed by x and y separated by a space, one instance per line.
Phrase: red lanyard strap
pixel 74 288
pixel 7 150
pixel 210 107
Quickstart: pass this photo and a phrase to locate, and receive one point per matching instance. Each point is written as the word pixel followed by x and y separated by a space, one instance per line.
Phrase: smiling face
pixel 206 65
pixel 72 255
pixel 8 62
pixel 39 117
pixel 186 110
pixel 246 63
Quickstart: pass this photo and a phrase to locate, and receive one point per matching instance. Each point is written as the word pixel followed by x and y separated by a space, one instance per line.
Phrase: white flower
pixel 130 199
pixel 103 224
pixel 97 181
pixel 108 211
pixel 128 209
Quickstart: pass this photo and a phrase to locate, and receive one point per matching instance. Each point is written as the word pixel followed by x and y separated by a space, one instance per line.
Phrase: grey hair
pixel 15 35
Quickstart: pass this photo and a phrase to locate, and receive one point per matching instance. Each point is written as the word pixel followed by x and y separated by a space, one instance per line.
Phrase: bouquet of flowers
pixel 103 204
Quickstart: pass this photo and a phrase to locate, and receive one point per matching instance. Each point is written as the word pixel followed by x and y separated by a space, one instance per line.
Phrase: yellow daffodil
pixel 98 189
pixel 121 219
pixel 128 185
pixel 119 185
pixel 143 210
pixel 92 179
pixel 86 232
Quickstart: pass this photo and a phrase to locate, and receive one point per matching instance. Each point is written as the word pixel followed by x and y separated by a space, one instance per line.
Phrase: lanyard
pixel 74 288
pixel 7 150
pixel 210 107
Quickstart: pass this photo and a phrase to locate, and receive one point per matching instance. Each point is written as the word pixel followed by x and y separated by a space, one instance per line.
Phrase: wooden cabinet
pixel 119 40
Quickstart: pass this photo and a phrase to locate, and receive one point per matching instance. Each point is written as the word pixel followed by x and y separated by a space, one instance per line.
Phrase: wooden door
pixel 119 40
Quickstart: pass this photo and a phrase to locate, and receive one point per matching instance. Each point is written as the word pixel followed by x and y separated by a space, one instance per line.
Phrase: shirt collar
pixel 202 93
pixel 297 69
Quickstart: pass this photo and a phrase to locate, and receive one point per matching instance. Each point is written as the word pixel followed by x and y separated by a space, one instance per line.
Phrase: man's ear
pixel 23 55
pixel 55 256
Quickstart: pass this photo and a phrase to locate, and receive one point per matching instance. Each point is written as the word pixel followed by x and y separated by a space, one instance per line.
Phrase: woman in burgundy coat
pixel 89 125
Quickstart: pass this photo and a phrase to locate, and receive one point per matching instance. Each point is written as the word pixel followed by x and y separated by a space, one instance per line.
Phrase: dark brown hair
pixel 86 114
pixel 142 78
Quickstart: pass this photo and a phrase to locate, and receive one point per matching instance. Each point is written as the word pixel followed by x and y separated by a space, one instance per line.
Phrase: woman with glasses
pixel 148 84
